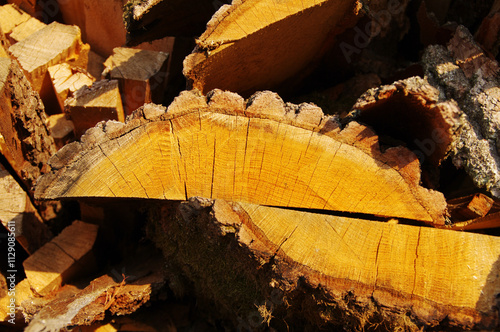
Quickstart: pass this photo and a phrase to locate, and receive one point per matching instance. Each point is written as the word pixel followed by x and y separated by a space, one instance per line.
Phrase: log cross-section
pixel 263 153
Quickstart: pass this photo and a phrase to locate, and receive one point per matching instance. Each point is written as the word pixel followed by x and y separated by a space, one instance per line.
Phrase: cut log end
pixel 262 152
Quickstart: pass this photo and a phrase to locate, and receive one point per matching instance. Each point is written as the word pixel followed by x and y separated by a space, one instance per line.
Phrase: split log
pixel 10 17
pixel 31 7
pixel 90 105
pixel 61 129
pixel 103 295
pixel 101 22
pixel 463 73
pixel 347 272
pixel 66 80
pixel 150 20
pixel 142 75
pixel 294 35
pixel 265 153
pixel 26 29
pixel 56 43
pixel 67 255
pixel 16 210
pixel 27 144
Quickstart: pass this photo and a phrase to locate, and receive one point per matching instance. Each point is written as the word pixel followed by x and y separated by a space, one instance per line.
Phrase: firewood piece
pixel 10 17
pixel 56 43
pixel 26 29
pixel 142 75
pixel 487 34
pixel 90 105
pixel 61 129
pixel 22 291
pixel 104 295
pixel 294 35
pixel 67 80
pixel 462 72
pixel 32 7
pixel 470 207
pixel 290 156
pixel 67 255
pixel 17 211
pixel 491 220
pixel 150 20
pixel 27 143
pixel 410 110
pixel 281 258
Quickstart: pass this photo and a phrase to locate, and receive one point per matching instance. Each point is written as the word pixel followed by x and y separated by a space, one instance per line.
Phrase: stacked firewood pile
pixel 255 165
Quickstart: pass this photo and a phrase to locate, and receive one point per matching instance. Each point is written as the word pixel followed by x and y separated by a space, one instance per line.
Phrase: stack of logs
pixel 324 164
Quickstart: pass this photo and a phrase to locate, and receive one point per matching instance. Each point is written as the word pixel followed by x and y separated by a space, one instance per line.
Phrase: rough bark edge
pixel 29 122
pixel 266 105
pixel 462 72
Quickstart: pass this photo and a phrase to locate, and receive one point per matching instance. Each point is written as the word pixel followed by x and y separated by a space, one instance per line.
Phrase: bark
pixel 27 144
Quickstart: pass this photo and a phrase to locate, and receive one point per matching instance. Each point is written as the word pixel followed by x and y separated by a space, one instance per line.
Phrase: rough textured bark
pixel 306 270
pixel 27 144
pixel 294 34
pixel 265 153
pixel 461 72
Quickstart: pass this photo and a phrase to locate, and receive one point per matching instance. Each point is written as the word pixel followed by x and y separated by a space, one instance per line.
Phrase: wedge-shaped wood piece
pixel 56 43
pixel 19 216
pixel 142 75
pixel 62 258
pixel 66 80
pixel 411 276
pixel 255 45
pixel 24 137
pixel 61 128
pixel 99 102
pixel 265 153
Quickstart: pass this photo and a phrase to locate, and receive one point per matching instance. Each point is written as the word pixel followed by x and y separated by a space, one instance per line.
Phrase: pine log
pixel 56 43
pixel 464 74
pixel 292 34
pixel 90 105
pixel 66 256
pixel 27 144
pixel 265 153
pixel 17 211
pixel 66 80
pixel 308 270
pixel 150 20
pixel 142 75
